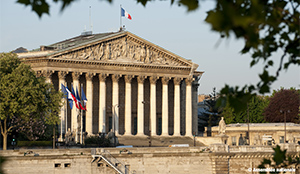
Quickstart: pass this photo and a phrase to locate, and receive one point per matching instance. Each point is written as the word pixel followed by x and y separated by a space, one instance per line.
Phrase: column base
pixel 189 135
pixel 127 135
pixel 164 135
pixel 141 135
pixel 176 135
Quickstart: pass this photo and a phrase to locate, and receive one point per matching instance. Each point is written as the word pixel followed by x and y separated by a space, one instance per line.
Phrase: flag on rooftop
pixel 125 14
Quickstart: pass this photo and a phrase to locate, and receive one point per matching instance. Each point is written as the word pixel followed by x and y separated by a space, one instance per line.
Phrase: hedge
pixel 34 143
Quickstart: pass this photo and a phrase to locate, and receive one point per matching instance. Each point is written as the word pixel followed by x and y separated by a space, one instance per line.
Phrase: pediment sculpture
pixel 122 49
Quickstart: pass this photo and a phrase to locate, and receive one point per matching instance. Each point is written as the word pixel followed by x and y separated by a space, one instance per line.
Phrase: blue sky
pixel 171 27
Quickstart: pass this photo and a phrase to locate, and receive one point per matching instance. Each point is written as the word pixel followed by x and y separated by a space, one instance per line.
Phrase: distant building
pixel 260 133
pixel 143 86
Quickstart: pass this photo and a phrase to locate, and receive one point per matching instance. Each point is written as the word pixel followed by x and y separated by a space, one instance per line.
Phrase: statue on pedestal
pixel 222 126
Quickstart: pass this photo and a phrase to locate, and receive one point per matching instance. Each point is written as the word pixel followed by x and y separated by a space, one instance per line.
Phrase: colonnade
pixel 102 126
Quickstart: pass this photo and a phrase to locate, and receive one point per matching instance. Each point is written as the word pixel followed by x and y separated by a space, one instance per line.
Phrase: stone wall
pixel 204 160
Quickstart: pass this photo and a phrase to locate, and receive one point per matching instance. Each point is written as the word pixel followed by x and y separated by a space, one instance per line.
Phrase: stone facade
pixel 261 133
pixel 129 82
pixel 179 160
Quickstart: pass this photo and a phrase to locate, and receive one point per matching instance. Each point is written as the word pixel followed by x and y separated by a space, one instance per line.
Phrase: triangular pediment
pixel 122 47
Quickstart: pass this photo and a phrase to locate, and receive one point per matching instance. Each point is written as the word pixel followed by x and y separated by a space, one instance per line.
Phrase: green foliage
pixel 280 160
pixel 33 143
pixel 23 96
pixel 255 108
pixel 96 140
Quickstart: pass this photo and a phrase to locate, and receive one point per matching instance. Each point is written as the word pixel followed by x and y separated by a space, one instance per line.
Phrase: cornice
pixel 129 65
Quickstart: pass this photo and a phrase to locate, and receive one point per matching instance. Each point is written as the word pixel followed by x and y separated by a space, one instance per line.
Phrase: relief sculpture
pixel 122 48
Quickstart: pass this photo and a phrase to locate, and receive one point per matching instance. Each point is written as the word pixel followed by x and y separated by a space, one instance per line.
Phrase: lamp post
pixel 150 138
pixel 284 113
pixel 113 122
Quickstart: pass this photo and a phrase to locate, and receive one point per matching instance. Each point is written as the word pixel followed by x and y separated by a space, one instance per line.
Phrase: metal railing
pixel 117 165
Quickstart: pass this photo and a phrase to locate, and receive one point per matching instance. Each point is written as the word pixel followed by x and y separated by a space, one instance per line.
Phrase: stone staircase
pixel 118 166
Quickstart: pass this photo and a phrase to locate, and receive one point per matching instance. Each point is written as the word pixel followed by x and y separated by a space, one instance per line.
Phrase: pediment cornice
pixel 122 48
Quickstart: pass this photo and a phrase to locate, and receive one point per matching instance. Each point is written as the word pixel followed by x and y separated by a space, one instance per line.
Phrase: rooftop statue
pixel 222 126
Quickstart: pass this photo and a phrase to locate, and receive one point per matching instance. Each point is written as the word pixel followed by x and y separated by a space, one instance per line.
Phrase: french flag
pixel 125 14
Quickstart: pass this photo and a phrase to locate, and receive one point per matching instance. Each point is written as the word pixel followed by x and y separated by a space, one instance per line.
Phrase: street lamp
pixel 113 122
pixel 150 138
pixel 284 112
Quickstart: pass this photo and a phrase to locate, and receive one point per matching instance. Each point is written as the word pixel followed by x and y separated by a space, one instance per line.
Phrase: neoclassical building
pixel 147 89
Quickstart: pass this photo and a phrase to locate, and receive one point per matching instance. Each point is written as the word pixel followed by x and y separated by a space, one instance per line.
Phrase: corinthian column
pixel 177 106
pixel 48 75
pixel 89 104
pixel 74 123
pixel 152 121
pixel 62 114
pixel 188 108
pixel 165 106
pixel 102 97
pixel 140 106
pixel 128 114
pixel 115 102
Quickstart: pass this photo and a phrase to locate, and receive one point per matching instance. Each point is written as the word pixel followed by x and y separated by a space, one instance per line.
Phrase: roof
pixel 78 40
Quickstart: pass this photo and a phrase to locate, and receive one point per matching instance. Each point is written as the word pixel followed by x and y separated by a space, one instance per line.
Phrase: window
pixel 233 141
pixel 56 165
pixel 281 139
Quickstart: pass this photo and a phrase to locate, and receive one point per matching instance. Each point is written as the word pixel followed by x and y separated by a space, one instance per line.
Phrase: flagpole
pixel 120 17
pixel 65 112
pixel 81 137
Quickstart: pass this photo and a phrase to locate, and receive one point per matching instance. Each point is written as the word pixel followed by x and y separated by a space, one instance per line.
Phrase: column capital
pixel 189 81
pixel 62 74
pixel 76 75
pixel 102 77
pixel 141 79
pixel 165 80
pixel 47 73
pixel 128 78
pixel 115 77
pixel 153 79
pixel 177 80
pixel 89 76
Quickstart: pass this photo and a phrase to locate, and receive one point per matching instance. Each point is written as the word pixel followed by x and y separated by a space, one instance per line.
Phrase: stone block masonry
pixel 178 160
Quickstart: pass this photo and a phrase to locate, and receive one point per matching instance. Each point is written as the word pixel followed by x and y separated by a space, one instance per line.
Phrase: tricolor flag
pixel 74 98
pixel 125 14
pixel 83 98
pixel 67 94
pixel 78 100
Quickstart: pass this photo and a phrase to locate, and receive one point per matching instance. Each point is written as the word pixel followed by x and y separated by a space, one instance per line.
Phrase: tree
pixel 24 97
pixel 280 160
pixel 283 102
pixel 265 26
pixel 210 116
pixel 255 109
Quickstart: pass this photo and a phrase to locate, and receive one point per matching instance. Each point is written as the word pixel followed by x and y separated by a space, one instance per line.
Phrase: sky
pixel 169 26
